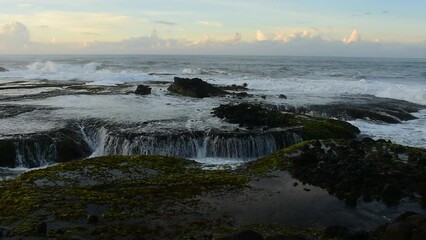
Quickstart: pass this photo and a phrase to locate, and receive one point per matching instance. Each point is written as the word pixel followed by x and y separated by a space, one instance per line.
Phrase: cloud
pixel 355 37
pixel 14 35
pixel 165 23
pixel 237 37
pixel 296 35
pixel 260 36
pixel 210 24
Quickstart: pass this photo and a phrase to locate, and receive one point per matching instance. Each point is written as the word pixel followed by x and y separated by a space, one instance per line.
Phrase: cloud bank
pixel 15 38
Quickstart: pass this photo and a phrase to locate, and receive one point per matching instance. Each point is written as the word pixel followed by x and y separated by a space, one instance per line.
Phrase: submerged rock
pixel 2 69
pixel 143 90
pixel 194 87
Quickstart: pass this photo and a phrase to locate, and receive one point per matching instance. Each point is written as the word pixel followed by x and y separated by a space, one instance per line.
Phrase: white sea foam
pixel 92 72
pixel 330 88
pixel 411 133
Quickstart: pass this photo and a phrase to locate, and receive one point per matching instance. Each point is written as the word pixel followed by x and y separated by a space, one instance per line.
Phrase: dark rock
pixel 2 69
pixel 194 87
pixel 244 235
pixel 251 115
pixel 92 219
pixel 392 194
pixel 8 154
pixel 143 90
pixel 263 97
pixel 306 189
pixel 60 145
pixel 42 228
pixel 295 184
pixel 282 96
pixel 398 231
pixel 409 225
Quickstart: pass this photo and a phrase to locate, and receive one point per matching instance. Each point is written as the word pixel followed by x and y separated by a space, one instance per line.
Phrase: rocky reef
pixel 256 115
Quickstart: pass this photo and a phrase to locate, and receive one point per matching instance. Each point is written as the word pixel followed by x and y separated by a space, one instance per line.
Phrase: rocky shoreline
pixel 148 196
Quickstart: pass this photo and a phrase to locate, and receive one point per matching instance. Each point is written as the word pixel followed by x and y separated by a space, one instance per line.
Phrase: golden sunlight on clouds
pixel 81 26
pixel 355 37
pixel 260 36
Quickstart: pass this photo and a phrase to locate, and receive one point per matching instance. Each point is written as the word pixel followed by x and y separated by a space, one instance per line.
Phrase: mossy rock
pixel 354 170
pixel 256 115
pixel 126 188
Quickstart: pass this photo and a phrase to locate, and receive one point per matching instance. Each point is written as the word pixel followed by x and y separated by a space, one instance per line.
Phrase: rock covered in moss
pixel 253 115
pixel 194 87
pixel 256 115
pixel 355 170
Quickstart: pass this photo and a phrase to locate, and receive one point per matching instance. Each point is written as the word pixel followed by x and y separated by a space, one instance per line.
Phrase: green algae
pixel 172 181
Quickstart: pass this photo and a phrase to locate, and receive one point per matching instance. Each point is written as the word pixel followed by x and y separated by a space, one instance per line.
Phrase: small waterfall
pixel 91 138
pixel 41 149
pixel 35 154
pixel 197 145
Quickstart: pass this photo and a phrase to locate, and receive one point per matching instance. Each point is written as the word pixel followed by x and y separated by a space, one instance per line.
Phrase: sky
pixel 375 28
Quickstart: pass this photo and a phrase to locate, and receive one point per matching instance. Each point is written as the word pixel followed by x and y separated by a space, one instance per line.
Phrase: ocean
pixel 37 83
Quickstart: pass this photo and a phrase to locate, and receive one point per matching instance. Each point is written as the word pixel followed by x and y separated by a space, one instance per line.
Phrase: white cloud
pixel 296 35
pixel 210 24
pixel 355 37
pixel 14 35
pixel 260 36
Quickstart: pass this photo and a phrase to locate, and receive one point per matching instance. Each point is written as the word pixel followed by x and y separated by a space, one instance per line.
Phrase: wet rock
pixel 34 150
pixel 244 235
pixel 194 87
pixel 282 96
pixel 143 90
pixel 256 115
pixel 8 154
pixel 252 115
pixel 2 69
pixel 42 228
